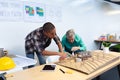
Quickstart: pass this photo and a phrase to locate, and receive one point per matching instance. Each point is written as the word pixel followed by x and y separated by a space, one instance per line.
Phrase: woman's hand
pixel 75 48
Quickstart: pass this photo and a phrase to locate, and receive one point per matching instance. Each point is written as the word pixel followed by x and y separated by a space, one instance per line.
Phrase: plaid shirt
pixel 37 41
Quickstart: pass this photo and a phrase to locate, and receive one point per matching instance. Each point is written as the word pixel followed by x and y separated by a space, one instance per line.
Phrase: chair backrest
pixel 52 59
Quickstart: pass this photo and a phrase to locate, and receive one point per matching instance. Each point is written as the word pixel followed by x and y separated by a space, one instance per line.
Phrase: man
pixel 39 39
pixel 71 42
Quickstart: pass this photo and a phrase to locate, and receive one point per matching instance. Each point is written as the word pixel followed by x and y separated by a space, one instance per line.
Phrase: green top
pixel 77 42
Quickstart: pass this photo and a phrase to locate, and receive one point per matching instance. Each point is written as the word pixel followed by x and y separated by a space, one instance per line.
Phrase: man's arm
pixel 61 53
pixel 60 47
pixel 48 53
pixel 57 41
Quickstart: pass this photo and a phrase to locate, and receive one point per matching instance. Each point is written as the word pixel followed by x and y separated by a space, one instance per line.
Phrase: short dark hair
pixel 48 26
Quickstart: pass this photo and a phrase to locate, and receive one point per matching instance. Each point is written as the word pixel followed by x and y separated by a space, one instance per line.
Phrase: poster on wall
pixel 11 10
pixel 53 13
pixel 29 11
pixel 34 12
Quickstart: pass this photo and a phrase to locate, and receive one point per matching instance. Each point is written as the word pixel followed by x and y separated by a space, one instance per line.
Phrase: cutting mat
pixel 91 64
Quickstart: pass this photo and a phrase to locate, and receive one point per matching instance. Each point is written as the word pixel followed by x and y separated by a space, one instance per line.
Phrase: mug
pixel 78 59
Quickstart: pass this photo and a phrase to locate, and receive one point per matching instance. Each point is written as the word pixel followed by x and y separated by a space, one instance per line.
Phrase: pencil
pixel 62 71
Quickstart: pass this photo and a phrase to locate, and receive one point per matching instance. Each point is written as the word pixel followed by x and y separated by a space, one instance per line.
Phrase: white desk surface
pixel 20 62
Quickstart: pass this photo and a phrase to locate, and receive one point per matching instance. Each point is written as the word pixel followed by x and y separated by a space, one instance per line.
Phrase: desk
pixel 35 73
pixel 99 42
pixel 20 62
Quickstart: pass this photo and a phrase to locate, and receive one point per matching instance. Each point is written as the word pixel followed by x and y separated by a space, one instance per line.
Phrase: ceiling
pixel 114 1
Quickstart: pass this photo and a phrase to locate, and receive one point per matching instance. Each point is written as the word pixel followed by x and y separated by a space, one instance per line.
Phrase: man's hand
pixel 62 56
pixel 75 48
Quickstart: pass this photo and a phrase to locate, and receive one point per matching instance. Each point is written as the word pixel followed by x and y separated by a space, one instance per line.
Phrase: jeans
pixel 40 58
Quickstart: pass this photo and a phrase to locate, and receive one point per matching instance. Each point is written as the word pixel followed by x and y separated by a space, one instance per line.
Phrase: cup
pixel 78 59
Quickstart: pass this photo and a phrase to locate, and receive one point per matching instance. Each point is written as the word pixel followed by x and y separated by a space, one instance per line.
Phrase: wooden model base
pixel 91 64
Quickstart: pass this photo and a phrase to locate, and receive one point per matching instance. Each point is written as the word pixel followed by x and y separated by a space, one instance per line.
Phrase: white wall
pixel 89 19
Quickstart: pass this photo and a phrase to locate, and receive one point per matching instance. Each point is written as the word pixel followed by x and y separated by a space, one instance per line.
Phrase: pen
pixel 62 71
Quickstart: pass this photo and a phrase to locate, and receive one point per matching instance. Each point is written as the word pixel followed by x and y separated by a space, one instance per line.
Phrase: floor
pixel 109 75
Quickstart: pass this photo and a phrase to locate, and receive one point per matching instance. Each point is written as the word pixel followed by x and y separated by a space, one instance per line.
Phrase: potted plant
pixel 106 45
